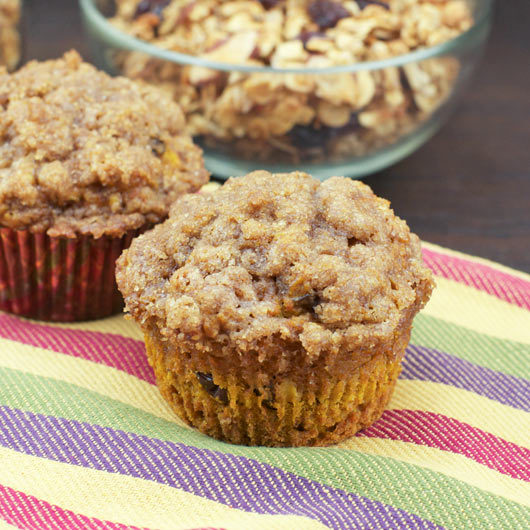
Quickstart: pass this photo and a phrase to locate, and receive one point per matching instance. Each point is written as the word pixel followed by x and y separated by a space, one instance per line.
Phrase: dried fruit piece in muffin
pixel 277 309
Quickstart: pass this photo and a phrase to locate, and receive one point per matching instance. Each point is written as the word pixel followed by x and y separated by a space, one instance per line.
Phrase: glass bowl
pixel 348 120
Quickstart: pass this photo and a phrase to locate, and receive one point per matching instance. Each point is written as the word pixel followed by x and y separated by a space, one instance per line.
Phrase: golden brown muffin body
pixel 277 309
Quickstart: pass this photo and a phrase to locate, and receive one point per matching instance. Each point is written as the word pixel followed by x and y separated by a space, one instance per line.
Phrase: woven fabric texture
pixel 86 441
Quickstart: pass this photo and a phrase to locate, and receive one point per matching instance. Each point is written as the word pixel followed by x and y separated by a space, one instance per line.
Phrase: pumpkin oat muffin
pixel 9 34
pixel 277 309
pixel 87 161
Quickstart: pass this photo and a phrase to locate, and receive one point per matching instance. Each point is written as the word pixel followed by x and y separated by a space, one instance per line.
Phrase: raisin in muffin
pixel 277 309
pixel 87 162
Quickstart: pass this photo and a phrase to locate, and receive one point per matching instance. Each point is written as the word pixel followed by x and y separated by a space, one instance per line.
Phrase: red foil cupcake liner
pixel 60 279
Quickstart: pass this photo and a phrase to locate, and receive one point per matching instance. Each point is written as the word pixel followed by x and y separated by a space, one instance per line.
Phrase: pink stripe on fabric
pixel 119 352
pixel 435 430
pixel 30 513
pixel 509 288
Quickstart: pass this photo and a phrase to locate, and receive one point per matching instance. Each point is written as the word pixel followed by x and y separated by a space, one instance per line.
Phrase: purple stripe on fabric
pixel 231 480
pixel 109 349
pixel 427 364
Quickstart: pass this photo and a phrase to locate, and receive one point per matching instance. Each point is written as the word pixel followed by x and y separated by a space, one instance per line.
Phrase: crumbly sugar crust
pixel 277 262
pixel 84 153
pixel 297 117
pixel 9 34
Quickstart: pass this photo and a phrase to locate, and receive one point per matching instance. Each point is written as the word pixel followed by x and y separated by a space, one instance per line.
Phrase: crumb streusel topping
pixel 84 153
pixel 327 265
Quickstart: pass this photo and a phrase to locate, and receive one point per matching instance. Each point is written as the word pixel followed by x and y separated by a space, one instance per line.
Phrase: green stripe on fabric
pixel 430 495
pixel 508 357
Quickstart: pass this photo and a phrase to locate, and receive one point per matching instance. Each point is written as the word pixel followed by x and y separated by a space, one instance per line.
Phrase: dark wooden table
pixel 468 188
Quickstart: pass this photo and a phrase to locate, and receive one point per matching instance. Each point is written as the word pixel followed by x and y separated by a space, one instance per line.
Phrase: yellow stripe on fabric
pixel 99 378
pixel 506 422
pixel 6 526
pixel 479 311
pixel 450 464
pixel 117 325
pixel 477 259
pixel 128 500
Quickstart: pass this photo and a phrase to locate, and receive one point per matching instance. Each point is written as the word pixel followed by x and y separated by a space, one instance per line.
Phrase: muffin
pixel 276 310
pixel 87 162
pixel 9 35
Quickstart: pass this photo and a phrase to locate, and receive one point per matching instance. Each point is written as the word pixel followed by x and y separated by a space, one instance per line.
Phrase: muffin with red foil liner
pixel 87 162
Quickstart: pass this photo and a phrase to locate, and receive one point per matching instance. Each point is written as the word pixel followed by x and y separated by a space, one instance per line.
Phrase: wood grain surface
pixel 468 188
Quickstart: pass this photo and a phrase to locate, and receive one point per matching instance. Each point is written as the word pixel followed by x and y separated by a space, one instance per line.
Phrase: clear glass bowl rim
pixel 117 38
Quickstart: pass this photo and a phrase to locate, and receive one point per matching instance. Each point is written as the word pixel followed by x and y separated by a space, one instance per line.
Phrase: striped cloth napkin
pixel 86 442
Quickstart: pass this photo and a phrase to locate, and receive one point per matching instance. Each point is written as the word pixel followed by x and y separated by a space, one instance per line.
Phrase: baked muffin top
pixel 84 153
pixel 327 265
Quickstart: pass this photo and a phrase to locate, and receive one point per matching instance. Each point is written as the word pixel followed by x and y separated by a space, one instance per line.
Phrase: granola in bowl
pixel 303 88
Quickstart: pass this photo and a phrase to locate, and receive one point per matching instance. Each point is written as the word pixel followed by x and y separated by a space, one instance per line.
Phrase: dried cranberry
pixel 352 125
pixel 206 380
pixel 151 6
pixel 306 36
pixel 307 137
pixel 408 90
pixel 326 13
pixel 268 4
pixel 364 3
pixel 404 81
